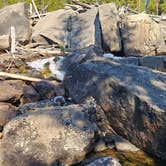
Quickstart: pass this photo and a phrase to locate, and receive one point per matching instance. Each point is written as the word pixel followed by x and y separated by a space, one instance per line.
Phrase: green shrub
pixel 56 4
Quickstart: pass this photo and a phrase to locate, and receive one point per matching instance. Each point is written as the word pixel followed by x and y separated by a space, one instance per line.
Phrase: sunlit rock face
pixel 143 36
pixel 17 16
pixel 132 97
pixel 49 136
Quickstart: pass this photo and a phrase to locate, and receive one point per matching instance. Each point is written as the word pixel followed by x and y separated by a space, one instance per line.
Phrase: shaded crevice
pixel 122 52
pixel 98 33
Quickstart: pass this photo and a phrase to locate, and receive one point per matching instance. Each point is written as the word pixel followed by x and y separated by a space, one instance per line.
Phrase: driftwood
pixel 12 39
pixel 82 4
pixel 41 51
pixel 41 15
pixel 36 10
pixel 26 78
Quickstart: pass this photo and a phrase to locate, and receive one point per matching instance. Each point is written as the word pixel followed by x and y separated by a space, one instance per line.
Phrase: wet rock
pixel 7 112
pixel 12 15
pixel 52 135
pixel 132 97
pixel 109 25
pixel 142 36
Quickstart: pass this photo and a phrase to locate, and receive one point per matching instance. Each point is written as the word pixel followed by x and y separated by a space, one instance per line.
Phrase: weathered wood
pixel 25 78
pixel 41 15
pixel 35 7
pixel 40 51
pixel 81 4
pixel 13 39
pixel 30 9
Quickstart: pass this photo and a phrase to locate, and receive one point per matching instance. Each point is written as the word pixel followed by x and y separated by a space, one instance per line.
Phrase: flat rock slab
pixel 109 25
pixel 53 28
pixel 16 15
pixel 153 62
pixel 133 98
pixel 50 136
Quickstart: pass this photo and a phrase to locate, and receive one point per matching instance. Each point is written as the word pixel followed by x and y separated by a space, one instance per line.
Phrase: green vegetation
pixel 56 4
pixel 132 158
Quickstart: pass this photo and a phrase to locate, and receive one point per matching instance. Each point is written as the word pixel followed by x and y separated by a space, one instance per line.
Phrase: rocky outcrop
pixel 69 29
pixel 109 27
pixel 16 15
pixel 133 99
pixel 49 136
pixel 141 35
pixel 53 28
pixel 85 30
pixel 131 35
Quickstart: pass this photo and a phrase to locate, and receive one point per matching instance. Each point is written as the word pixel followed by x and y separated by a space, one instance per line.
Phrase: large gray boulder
pixel 141 36
pixel 69 29
pixel 109 26
pixel 16 15
pixel 85 30
pixel 49 136
pixel 133 99
pixel 53 28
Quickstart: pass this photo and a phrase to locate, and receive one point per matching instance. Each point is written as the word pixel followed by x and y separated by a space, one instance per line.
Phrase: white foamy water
pixel 111 56
pixel 54 67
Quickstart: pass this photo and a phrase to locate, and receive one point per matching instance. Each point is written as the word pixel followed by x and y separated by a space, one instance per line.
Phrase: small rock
pixel 123 145
pixel 59 100
pixel 100 146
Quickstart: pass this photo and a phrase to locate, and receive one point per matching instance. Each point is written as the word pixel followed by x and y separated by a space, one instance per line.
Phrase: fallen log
pixel 25 78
